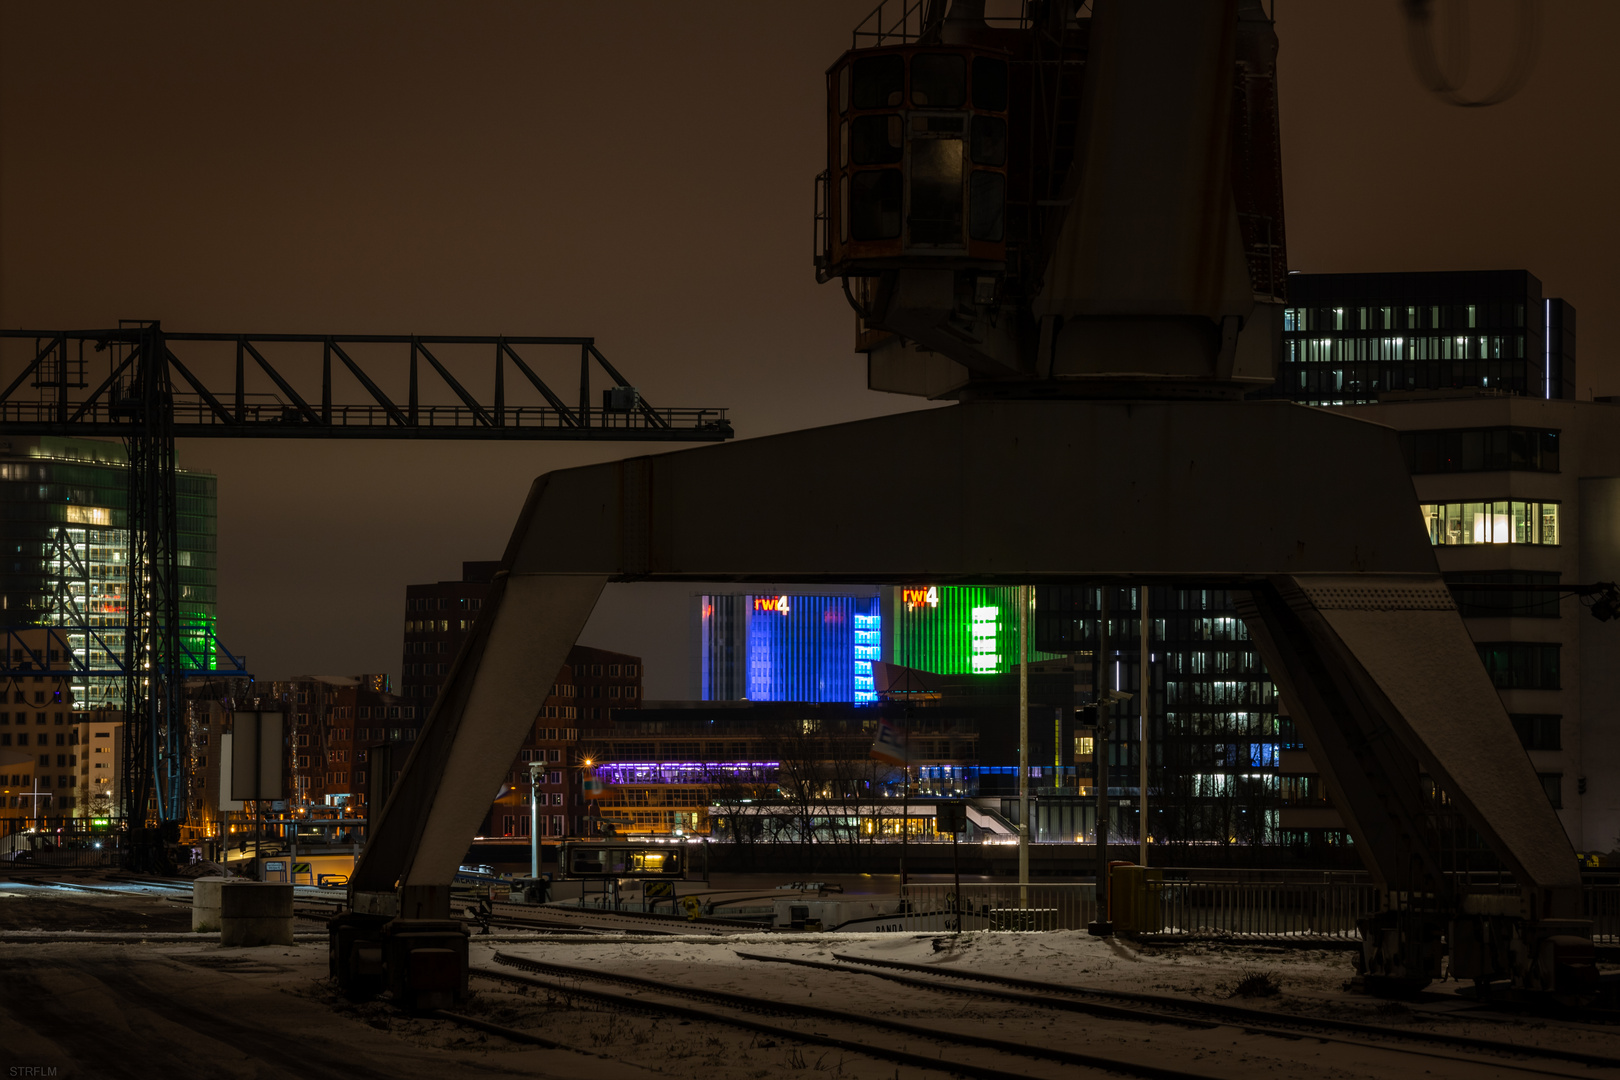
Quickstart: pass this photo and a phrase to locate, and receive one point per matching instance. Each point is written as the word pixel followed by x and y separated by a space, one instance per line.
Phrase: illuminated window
pixel 985 657
pixel 1498 522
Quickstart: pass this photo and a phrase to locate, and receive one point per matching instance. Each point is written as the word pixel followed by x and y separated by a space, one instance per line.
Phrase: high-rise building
pixel 65 534
pixel 787 648
pixel 438 617
pixel 819 648
pixel 1347 338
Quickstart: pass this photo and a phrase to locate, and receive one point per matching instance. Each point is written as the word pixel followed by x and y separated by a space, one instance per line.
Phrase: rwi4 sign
pixel 920 597
pixel 771 603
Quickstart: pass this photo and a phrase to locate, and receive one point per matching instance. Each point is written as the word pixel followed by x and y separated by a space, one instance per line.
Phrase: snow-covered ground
pixel 131 996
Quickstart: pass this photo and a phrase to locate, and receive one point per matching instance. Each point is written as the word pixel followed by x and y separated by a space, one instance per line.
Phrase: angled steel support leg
pixel 1382 678
pixel 494 692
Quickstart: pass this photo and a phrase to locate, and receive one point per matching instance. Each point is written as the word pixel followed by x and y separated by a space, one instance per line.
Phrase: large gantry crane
pixel 1071 223
pixel 149 386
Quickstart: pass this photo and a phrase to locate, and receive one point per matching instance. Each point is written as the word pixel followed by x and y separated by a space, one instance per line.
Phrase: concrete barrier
pixel 250 912
pixel 205 904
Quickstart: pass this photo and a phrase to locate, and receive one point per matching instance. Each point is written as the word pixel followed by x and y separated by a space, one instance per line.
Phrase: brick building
pixel 590 686
pixel 439 616
pixel 41 737
pixel 338 721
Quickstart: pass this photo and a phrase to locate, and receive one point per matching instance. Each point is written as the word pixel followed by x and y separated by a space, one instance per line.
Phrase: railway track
pixel 739 1011
pixel 653 996
pixel 1164 1008
pixel 1406 1048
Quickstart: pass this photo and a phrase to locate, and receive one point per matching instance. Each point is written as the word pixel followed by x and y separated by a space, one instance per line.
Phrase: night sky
pixel 641 173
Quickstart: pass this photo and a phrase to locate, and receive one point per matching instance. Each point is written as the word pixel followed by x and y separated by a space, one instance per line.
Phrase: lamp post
pixel 1103 927
pixel 1023 746
pixel 1144 682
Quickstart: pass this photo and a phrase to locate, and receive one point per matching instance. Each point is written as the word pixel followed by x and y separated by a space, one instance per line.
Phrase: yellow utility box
pixel 1133 898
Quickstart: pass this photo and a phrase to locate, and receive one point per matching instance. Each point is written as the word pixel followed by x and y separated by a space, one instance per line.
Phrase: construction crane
pixel 159 386
pixel 1070 222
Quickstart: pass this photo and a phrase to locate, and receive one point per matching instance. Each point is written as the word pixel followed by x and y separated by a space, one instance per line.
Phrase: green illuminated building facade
pixel 64 546
pixel 954 629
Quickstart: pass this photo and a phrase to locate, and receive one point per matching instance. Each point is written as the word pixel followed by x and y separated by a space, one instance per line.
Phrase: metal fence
pixel 1235 909
pixel 46 852
pixel 1250 910
pixel 1322 909
pixel 1603 908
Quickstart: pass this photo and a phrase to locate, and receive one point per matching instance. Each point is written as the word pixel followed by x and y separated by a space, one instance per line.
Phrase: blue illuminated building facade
pixel 788 648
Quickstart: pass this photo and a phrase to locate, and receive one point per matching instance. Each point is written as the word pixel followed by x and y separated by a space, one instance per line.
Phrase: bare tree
pixel 740 804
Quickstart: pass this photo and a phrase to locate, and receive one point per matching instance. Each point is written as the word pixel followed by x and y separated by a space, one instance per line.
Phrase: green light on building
pixel 958 629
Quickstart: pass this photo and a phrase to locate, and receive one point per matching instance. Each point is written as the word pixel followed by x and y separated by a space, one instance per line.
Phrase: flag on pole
pixel 594 788
pixel 890 743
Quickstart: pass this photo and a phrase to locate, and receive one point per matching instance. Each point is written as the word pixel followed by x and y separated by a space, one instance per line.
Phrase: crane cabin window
pixel 938 81
pixel 880 81
pixel 875 139
pixel 988 144
pixel 917 165
pixel 987 195
pixel 989 84
pixel 874 204
pixel 935 215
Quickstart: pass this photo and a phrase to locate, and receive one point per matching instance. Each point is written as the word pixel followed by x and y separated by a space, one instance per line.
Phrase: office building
pixel 669 766
pixel 438 618
pixel 336 722
pixel 1347 338
pixel 63 527
pixel 820 648
pixel 786 647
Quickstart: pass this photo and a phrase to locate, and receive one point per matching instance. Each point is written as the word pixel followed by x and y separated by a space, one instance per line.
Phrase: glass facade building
pixel 957 629
pixel 820 648
pixel 1347 338
pixel 1216 732
pixel 65 542
pixel 788 648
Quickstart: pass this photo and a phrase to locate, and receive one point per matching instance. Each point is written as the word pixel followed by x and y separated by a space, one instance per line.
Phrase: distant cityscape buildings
pixel 1515 480
pixel 1516 486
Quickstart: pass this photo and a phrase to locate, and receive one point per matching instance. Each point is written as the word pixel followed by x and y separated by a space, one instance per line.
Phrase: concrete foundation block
pixel 255 913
